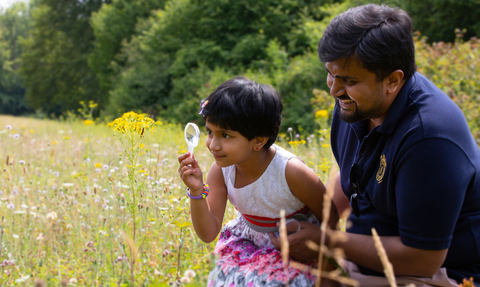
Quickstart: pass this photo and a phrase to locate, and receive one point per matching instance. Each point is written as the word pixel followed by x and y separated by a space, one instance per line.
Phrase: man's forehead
pixel 347 67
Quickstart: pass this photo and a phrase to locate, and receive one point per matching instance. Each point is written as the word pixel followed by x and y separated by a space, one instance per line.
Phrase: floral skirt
pixel 248 258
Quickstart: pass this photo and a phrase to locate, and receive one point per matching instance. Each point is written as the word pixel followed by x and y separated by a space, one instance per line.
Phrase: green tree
pixel 113 25
pixel 438 19
pixel 14 23
pixel 174 54
pixel 54 62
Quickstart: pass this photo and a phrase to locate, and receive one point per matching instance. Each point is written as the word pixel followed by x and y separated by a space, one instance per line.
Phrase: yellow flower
pixel 98 165
pixel 321 113
pixel 54 142
pixel 92 104
pixel 296 143
pixel 88 122
pixel 132 122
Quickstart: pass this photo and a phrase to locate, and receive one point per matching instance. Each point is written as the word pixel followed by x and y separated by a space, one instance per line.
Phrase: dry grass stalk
pixel 388 268
pixel 332 275
pixel 284 242
pixel 327 205
pixel 335 275
pixel 133 255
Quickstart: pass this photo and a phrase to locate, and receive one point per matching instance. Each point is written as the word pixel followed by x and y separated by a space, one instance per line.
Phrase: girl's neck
pixel 248 172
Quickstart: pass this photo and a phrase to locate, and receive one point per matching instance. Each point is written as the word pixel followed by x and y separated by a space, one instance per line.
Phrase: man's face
pixel 358 94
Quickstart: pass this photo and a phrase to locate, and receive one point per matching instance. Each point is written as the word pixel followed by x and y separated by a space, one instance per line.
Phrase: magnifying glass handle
pixel 190 150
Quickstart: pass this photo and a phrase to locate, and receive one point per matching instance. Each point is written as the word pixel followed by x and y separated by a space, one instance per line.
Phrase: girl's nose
pixel 213 143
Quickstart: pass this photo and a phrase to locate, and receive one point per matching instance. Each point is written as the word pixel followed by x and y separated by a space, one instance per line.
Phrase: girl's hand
pixel 191 174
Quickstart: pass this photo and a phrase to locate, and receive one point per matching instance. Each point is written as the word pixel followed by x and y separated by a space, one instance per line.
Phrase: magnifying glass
pixel 192 136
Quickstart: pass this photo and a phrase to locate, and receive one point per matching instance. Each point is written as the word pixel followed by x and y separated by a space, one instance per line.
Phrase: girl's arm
pixel 308 187
pixel 207 214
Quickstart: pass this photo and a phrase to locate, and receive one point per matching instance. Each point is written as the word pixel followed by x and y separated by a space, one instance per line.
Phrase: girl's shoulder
pixel 283 153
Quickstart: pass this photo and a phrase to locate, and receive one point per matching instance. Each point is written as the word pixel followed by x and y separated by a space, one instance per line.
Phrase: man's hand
pixel 298 250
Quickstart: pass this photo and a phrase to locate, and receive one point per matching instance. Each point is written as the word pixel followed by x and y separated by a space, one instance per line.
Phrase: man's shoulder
pixel 432 114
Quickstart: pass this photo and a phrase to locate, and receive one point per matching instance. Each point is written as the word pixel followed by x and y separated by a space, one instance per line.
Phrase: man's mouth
pixel 346 101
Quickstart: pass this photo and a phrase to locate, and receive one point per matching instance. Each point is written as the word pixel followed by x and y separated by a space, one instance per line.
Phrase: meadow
pixel 64 211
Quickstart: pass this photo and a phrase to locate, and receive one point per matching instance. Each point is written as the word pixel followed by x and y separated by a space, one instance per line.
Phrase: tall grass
pixel 64 219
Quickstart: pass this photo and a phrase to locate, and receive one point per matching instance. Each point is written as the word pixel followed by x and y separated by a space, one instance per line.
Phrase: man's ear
pixel 259 142
pixel 394 81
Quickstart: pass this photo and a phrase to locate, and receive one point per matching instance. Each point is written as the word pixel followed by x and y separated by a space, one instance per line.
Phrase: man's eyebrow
pixel 340 77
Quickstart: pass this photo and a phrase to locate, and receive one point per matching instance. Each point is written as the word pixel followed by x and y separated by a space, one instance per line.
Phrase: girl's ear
pixel 259 142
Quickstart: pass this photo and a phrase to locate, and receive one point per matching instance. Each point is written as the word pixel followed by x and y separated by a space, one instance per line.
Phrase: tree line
pixel 162 57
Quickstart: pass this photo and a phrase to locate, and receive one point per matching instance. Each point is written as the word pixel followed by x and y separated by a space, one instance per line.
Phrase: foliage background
pixel 64 181
pixel 162 57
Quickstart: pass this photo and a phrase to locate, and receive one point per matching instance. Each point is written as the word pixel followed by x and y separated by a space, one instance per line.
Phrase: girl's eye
pixel 209 132
pixel 226 136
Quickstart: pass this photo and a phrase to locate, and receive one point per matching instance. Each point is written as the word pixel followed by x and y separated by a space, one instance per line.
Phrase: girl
pixel 242 119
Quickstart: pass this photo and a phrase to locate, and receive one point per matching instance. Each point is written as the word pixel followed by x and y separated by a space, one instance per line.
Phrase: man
pixel 408 163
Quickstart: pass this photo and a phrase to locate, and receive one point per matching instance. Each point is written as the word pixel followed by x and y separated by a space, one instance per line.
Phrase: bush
pixel 454 68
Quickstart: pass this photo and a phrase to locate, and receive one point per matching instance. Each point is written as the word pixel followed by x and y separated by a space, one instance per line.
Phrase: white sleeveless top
pixel 267 195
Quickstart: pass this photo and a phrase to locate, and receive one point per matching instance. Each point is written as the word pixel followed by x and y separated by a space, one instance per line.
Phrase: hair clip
pixel 203 106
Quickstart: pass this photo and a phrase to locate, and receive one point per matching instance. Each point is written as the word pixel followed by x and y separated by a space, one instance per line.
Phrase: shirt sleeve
pixel 432 179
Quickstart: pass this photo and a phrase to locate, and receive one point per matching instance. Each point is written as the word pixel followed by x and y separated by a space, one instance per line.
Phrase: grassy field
pixel 64 216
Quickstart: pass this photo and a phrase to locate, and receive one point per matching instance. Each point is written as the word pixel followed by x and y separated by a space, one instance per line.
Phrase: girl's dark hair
pixel 378 36
pixel 252 109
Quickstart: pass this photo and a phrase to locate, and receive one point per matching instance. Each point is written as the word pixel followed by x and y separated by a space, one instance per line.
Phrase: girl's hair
pixel 252 109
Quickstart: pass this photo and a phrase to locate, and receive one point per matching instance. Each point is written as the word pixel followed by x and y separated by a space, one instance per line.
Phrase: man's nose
pixel 336 88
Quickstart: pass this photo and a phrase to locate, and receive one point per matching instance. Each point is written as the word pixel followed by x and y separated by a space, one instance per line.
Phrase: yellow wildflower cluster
pixel 296 143
pixel 132 122
pixel 322 114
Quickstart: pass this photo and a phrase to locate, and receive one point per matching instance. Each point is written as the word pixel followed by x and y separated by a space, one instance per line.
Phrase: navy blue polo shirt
pixel 418 175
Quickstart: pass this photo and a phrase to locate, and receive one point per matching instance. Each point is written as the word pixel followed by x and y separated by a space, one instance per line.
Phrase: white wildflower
pixel 189 273
pixel 22 279
pixel 40 237
pixel 52 215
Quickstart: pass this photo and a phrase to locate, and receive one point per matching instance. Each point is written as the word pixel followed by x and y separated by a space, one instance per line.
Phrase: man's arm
pixel 361 250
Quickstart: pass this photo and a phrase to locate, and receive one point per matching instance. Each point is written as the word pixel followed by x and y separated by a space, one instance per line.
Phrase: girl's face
pixel 227 147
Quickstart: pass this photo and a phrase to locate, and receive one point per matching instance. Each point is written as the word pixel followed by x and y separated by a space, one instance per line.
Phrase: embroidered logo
pixel 381 168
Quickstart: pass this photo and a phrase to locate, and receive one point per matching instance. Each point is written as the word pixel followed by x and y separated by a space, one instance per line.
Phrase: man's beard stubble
pixel 348 118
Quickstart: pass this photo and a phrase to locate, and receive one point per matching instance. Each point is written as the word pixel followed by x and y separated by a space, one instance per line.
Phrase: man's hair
pixel 378 36
pixel 252 109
